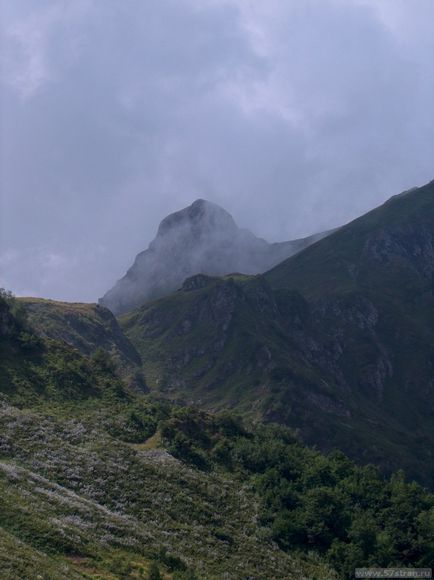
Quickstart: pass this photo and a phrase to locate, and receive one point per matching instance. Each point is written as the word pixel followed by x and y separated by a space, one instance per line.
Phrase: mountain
pixel 97 481
pixel 88 487
pixel 86 327
pixel 202 238
pixel 336 342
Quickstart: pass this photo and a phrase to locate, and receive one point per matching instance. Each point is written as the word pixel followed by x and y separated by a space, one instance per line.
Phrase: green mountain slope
pixel 370 291
pixel 86 327
pixel 388 250
pixel 88 490
pixel 336 342
pixel 100 482
pixel 203 340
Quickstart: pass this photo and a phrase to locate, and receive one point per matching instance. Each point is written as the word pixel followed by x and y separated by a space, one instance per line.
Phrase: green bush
pixel 154 572
pixel 351 515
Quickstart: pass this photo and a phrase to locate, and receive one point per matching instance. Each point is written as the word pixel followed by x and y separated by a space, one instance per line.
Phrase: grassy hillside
pixel 336 342
pixel 347 514
pixel 203 338
pixel 387 250
pixel 98 482
pixel 87 327
pixel 88 490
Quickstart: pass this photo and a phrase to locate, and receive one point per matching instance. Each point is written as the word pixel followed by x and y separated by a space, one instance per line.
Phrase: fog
pixel 295 116
pixel 200 239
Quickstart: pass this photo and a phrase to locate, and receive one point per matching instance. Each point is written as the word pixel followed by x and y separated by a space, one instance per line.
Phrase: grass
pixel 85 327
pixel 75 495
pixel 88 489
pixel 99 482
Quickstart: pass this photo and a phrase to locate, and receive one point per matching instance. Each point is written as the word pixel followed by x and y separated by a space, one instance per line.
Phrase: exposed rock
pixel 200 239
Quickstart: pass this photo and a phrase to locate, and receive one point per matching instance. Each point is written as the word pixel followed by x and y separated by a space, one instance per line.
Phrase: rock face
pixel 200 239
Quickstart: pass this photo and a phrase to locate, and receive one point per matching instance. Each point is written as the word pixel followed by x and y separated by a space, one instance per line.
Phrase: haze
pixel 295 116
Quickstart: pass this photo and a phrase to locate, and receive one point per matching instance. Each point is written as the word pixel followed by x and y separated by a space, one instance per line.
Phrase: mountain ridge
pixel 86 327
pixel 399 208
pixel 202 238
pixel 336 341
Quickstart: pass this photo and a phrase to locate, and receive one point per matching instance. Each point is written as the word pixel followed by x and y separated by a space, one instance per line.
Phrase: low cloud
pixel 294 116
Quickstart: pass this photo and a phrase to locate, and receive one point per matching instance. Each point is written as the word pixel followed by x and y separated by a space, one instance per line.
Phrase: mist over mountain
pixel 336 341
pixel 332 347
pixel 202 238
pixel 239 387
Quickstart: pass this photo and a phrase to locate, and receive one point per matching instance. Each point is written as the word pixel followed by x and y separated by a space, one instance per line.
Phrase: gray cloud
pixel 295 116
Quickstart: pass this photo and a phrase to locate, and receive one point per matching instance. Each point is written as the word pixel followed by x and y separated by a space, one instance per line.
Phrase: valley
pixel 245 425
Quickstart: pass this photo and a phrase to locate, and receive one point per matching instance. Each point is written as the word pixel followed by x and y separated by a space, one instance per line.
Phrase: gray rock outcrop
pixel 200 239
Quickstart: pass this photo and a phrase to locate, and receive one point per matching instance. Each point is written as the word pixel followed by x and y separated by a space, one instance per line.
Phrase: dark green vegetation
pixel 336 342
pixel 99 482
pixel 86 327
pixel 87 489
pixel 349 515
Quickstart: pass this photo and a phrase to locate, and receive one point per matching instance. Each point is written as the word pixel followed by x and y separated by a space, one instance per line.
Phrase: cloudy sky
pixel 295 115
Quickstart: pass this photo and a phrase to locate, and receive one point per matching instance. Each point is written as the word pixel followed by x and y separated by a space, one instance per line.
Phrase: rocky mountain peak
pixel 202 238
pixel 202 217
